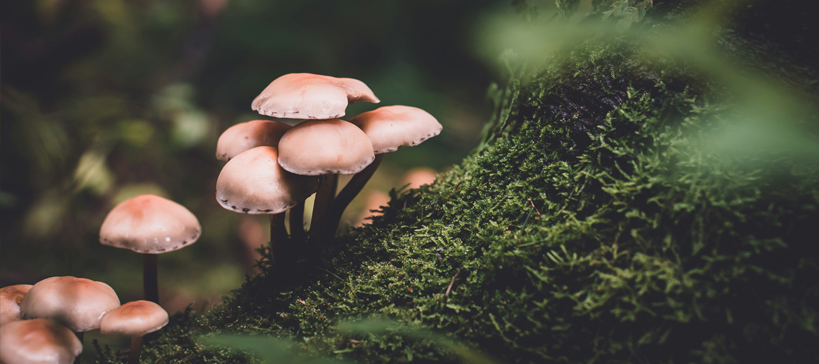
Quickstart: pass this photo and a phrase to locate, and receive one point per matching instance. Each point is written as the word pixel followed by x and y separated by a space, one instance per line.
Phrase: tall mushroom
pixel 150 225
pixel 76 303
pixel 325 147
pixel 38 341
pixel 10 299
pixel 134 319
pixel 388 128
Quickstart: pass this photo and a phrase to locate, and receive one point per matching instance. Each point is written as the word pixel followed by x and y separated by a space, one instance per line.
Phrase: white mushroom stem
pixel 347 195
pixel 150 282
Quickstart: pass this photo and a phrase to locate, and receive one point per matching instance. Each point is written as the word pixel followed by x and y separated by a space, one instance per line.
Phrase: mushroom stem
pixel 324 198
pixel 149 278
pixel 297 233
pixel 134 351
pixel 278 239
pixel 347 195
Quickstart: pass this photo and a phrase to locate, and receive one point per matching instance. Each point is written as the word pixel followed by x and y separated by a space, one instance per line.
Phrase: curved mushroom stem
pixel 134 351
pixel 149 278
pixel 297 234
pixel 347 195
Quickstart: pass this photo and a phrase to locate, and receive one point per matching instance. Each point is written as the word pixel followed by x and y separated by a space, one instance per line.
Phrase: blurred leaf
pixel 7 199
pixel 46 215
pixel 92 173
pixel 190 128
pixel 136 132
pixel 383 326
pixel 269 349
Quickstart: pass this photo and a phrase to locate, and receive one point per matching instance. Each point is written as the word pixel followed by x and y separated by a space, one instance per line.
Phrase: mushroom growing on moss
pixel 388 128
pixel 253 182
pixel 325 147
pixel 134 319
pixel 150 225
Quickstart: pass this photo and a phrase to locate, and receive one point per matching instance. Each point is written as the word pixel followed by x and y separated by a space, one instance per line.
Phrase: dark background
pixel 103 100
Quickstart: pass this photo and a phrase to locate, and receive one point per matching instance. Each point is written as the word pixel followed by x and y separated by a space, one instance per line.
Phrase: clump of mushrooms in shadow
pixel 273 168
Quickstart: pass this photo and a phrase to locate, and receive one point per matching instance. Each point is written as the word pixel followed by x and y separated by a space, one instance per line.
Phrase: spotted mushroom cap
pixel 310 96
pixel 390 127
pixel 249 135
pixel 149 224
pixel 253 182
pixel 76 303
pixel 38 341
pixel 10 298
pixel 325 146
pixel 135 318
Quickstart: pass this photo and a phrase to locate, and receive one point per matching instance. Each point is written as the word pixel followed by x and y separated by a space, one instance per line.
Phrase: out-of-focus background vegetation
pixel 106 99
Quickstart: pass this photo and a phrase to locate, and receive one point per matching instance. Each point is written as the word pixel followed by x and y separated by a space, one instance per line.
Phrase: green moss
pixel 591 227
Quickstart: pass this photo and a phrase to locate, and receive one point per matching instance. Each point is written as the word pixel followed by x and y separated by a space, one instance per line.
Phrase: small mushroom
pixel 134 319
pixel 10 299
pixel 254 183
pixel 310 96
pixel 150 225
pixel 319 147
pixel 38 341
pixel 249 135
pixel 388 128
pixel 325 147
pixel 76 303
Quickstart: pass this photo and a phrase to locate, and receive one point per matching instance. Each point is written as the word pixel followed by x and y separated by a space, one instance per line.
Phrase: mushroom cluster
pixel 273 168
pixel 44 323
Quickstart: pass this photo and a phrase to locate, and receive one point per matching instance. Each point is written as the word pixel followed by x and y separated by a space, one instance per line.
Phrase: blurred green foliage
pixel 102 100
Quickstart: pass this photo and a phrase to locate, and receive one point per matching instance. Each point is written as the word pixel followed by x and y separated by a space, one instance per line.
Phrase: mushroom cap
pixel 253 182
pixel 390 127
pixel 38 341
pixel 149 224
pixel 310 96
pixel 249 135
pixel 10 298
pixel 325 146
pixel 135 318
pixel 76 303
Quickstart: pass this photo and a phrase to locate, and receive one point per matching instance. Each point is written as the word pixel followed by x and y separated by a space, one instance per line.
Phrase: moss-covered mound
pixel 592 227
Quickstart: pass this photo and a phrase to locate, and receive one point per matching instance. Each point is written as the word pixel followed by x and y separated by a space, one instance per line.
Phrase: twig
pixel 533 206
pixel 485 183
pixel 452 282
